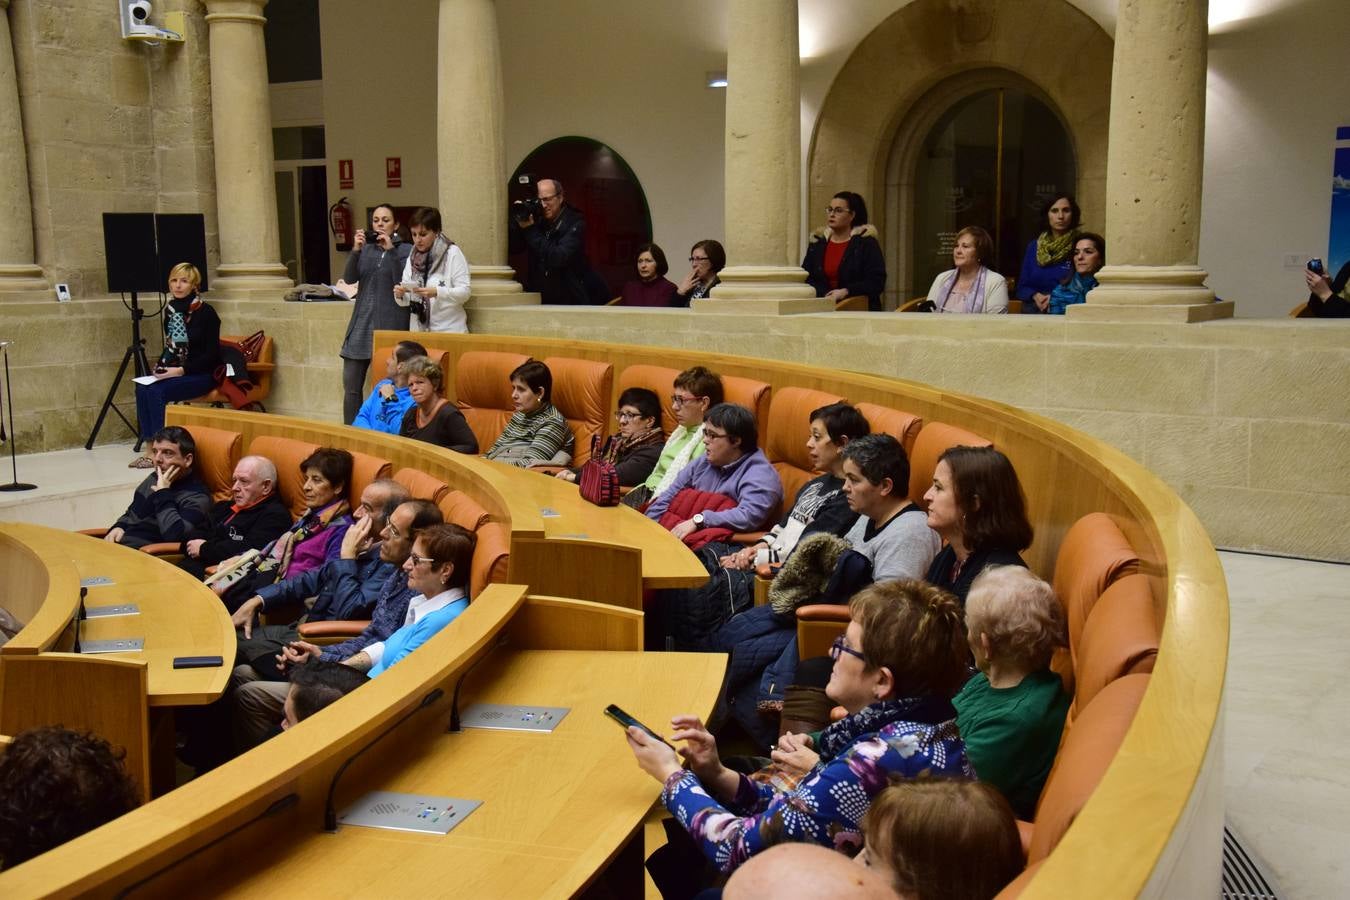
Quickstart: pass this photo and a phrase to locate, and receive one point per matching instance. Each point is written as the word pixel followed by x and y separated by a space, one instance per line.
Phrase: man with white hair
pixel 252 517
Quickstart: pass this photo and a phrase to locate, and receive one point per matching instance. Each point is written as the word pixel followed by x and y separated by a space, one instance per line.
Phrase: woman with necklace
pixel 976 506
pixel 1049 258
pixel 972 287
pixel 844 258
pixel 432 418
pixel 191 355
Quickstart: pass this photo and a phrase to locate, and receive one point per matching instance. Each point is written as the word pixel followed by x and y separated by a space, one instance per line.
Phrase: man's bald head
pixel 805 872
pixel 255 477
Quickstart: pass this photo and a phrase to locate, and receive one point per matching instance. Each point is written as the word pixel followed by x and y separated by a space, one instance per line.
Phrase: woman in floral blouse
pixel 896 669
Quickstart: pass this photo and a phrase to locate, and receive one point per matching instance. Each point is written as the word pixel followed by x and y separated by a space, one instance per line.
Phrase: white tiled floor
pixel 1287 763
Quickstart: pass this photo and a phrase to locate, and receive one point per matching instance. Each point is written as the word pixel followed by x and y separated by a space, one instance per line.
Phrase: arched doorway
pixel 992 159
pixel 603 186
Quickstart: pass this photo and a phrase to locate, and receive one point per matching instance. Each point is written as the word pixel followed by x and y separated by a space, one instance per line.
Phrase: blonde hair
pixel 188 270
pixel 1020 614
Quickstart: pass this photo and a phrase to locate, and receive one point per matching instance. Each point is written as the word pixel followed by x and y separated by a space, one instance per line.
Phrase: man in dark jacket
pixel 169 505
pixel 558 269
pixel 251 519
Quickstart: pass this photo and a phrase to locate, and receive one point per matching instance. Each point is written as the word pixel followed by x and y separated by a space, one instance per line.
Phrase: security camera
pixel 136 23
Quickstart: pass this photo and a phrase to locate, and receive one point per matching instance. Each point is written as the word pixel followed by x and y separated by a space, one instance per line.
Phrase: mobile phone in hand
pixel 1315 266
pixel 624 719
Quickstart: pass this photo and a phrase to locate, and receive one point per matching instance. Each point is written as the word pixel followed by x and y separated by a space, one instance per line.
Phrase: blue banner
pixel 1338 241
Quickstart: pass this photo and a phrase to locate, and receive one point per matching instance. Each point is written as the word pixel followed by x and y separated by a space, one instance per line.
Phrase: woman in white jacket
pixel 971 287
pixel 435 279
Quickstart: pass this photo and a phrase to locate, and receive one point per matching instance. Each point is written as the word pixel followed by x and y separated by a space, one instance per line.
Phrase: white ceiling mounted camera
pixel 136 23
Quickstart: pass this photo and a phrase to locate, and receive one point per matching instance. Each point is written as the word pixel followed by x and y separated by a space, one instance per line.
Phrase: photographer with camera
pixel 435 283
pixel 377 261
pixel 555 237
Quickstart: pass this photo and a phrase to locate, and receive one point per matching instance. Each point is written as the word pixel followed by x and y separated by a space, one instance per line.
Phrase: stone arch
pixel 931 53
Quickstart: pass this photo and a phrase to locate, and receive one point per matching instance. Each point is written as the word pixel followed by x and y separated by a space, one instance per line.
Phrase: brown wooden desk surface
pixel 556 806
pixel 179 616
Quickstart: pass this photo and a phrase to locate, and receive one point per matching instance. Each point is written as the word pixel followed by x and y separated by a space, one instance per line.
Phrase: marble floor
pixel 1287 763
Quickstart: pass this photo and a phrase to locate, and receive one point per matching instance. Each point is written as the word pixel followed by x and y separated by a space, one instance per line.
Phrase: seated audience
pixel 942 839
pixel 706 259
pixel 316 685
pixel 384 408
pixel 1329 299
pixel 56 784
pixel 252 517
pixel 1012 711
pixel 314 538
pixel 172 503
pixel 438 570
pixel 844 258
pixel 805 872
pixel 636 448
pixel 1089 255
pixel 536 432
pixel 432 418
pixel 977 506
pixel 652 287
pixel 696 391
pixel 439 277
pixel 896 669
pixel 971 287
pixel 733 468
pixel 342 588
pixel 876 482
pixel 1049 257
pixel 258 704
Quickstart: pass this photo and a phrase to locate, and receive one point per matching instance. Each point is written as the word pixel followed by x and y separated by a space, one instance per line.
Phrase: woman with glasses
pixel 635 449
pixel 896 669
pixel 696 390
pixel 844 258
pixel 706 259
pixel 652 287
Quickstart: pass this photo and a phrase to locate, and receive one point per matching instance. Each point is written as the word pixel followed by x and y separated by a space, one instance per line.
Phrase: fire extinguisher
pixel 340 220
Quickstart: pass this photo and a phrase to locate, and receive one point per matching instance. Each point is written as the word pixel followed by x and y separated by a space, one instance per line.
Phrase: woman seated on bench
pixel 432 418
pixel 636 448
pixel 537 433
pixel 896 669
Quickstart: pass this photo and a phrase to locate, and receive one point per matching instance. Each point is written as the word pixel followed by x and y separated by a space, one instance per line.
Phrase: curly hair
pixel 423 367
pixel 56 784
pixel 916 631
pixel 1020 614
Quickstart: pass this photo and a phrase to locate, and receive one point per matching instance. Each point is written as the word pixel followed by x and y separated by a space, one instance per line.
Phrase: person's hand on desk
pixel 114 535
pixel 567 475
pixel 243 616
pixel 684 529
pixel 194 547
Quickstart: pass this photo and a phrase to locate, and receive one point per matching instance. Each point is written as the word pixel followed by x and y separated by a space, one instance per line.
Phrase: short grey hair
pixel 263 467
pixel 1019 612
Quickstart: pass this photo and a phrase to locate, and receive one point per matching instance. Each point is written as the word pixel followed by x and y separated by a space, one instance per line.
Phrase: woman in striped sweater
pixel 537 433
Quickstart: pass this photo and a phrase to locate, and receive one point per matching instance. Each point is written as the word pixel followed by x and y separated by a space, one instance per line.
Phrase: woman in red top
pixel 844 258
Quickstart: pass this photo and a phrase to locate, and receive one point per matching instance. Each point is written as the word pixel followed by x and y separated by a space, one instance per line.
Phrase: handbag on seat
pixel 598 478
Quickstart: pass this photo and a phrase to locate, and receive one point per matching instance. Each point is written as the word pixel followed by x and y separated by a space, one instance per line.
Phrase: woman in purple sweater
pixel 652 288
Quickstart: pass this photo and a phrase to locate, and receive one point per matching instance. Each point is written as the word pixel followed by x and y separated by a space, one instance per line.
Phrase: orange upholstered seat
pixel 483 391
pixel 380 356
pixel 365 469
pixel 286 454
pixel 1119 638
pixel 421 485
pixel 753 395
pixel 934 439
pixel 218 452
pixel 464 511
pixel 787 431
pixel 1092 556
pixel 581 392
pixel 902 426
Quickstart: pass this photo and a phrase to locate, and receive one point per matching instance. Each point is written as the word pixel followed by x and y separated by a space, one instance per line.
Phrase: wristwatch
pixel 698 520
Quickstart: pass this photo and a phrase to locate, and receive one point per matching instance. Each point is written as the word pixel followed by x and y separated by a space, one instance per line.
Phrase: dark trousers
pixel 353 387
pixel 151 399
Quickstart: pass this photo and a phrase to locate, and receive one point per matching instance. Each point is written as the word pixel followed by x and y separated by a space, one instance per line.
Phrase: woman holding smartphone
pixel 377 261
pixel 1327 299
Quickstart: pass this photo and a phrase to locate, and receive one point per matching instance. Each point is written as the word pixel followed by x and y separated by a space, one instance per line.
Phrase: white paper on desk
pixel 145 379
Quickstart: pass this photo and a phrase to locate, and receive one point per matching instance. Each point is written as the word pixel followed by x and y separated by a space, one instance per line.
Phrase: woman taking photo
pixel 1089 255
pixel 652 288
pixel 536 432
pixel 376 261
pixel 637 446
pixel 844 258
pixel 706 259
pixel 191 355
pixel 432 418
pixel 971 287
pixel 977 507
pixel 435 283
pixel 896 669
pixel 1047 261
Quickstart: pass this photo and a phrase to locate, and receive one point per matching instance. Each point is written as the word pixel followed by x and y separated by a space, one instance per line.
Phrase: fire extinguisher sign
pixel 346 179
pixel 393 171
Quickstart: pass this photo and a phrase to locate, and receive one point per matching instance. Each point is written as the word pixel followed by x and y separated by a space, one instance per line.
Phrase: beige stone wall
pixel 110 126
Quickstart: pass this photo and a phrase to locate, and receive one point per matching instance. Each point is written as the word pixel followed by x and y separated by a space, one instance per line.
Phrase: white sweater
pixel 450 277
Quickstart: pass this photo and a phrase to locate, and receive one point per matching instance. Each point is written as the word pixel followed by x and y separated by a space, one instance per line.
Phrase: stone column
pixel 246 194
pixel 763 165
pixel 470 146
pixel 18 274
pixel 1155 163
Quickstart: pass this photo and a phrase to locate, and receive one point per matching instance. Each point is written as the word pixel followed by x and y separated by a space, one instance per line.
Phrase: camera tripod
pixel 135 351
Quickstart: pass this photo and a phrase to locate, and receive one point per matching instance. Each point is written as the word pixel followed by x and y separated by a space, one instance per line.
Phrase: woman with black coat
pixel 844 258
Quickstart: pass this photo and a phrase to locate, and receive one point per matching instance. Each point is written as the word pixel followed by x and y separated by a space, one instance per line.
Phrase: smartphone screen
pixel 626 720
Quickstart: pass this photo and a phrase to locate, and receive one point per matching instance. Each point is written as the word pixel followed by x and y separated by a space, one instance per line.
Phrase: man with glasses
pixel 696 390
pixel 558 269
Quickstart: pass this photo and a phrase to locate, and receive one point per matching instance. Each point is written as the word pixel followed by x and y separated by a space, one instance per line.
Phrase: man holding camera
pixel 558 269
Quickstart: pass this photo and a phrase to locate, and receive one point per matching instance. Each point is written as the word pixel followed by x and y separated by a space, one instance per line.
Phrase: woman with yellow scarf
pixel 1048 259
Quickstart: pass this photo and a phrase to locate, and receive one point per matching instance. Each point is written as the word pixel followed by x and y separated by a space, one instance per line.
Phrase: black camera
pixel 419 308
pixel 529 208
pixel 372 236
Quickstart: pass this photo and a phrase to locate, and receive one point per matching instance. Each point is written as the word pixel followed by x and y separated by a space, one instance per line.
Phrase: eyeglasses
pixel 425 559
pixel 548 199
pixel 624 416
pixel 713 435
pixel 831 210
pixel 698 259
pixel 841 646
pixel 677 401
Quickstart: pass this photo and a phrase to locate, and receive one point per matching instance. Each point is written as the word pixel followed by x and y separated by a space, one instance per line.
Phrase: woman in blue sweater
pixel 1048 258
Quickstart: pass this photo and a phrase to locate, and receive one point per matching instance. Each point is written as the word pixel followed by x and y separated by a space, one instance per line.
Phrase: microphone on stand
pixel 16 484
